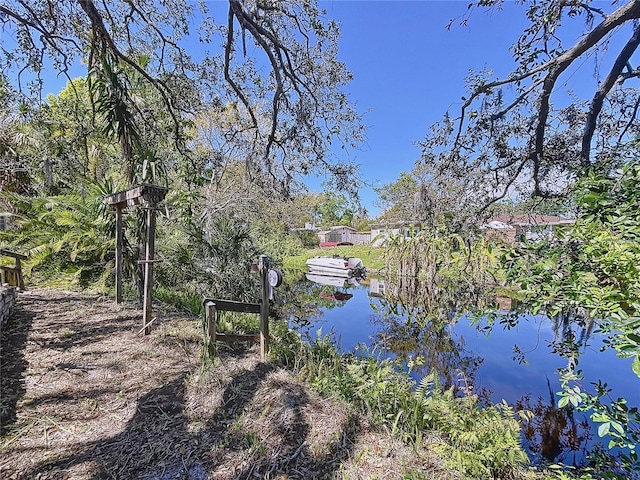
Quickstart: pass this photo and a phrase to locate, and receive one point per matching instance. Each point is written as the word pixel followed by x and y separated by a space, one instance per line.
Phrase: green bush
pixel 68 236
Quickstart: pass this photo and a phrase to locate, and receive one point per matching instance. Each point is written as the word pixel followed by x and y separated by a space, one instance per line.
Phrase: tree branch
pixel 606 86
pixel 627 12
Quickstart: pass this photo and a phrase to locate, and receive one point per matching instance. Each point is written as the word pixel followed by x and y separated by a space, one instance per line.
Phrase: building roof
pixel 336 227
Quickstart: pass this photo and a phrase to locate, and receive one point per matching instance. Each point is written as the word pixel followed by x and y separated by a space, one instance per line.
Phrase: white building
pixel 338 234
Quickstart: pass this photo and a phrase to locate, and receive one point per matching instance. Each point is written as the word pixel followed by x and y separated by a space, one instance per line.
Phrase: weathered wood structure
pixel 213 306
pixel 12 275
pixel 148 197
pixel 7 302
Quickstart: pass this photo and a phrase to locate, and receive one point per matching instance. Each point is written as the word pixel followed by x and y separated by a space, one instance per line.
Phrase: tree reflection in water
pixel 414 326
pixel 553 434
pixel 421 340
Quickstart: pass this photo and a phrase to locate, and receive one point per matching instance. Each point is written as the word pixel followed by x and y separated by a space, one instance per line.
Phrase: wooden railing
pixel 213 306
pixel 12 275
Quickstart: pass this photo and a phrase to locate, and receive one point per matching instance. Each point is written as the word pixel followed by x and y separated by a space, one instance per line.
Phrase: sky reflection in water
pixel 517 365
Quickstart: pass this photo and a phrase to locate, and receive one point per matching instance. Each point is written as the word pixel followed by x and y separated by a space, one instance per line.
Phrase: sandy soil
pixel 86 396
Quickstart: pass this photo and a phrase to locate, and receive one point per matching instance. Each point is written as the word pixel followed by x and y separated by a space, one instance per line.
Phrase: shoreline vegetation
pixel 95 399
pixel 101 401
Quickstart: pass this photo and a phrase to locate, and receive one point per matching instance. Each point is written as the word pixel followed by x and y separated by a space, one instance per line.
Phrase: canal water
pixel 518 364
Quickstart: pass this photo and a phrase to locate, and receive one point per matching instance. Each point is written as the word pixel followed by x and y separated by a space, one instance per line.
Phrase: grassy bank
pixel 475 440
pixel 372 257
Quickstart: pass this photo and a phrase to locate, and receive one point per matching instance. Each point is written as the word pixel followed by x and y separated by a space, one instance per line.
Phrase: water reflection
pixel 516 362
pixel 424 332
pixel 304 302
pixel 424 343
pixel 339 286
pixel 553 434
pixel 572 332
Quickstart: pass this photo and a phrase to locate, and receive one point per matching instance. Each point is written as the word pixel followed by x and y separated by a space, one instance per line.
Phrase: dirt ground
pixel 86 396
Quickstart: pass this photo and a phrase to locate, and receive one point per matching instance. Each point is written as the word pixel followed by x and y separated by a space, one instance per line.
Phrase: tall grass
pixel 480 441
pixel 431 266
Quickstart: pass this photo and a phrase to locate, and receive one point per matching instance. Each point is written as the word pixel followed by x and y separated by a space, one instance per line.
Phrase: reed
pixel 432 266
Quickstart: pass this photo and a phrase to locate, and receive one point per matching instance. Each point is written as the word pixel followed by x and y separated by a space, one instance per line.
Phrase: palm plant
pixel 229 251
pixel 69 234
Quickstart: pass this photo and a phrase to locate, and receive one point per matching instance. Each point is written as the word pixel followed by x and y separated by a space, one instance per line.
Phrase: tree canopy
pixel 526 132
pixel 272 63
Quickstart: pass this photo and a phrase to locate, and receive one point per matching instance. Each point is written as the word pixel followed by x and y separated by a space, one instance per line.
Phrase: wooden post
pixel 20 278
pixel 119 256
pixel 264 306
pixel 211 312
pixel 148 269
pixel 140 195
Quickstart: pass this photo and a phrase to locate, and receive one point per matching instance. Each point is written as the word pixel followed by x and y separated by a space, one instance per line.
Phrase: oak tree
pixel 274 62
pixel 526 133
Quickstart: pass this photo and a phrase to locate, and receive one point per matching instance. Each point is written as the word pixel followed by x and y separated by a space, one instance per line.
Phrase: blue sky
pixel 409 70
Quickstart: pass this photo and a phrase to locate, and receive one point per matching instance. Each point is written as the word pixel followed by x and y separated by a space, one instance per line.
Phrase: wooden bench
pixel 12 275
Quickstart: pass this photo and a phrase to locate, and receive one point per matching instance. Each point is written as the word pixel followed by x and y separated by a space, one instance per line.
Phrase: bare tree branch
pixel 627 12
pixel 508 126
pixel 603 90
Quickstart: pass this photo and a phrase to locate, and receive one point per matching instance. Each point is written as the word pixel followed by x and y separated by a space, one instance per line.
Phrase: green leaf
pixel 618 427
pixel 599 417
pixel 604 429
pixel 634 338
pixel 635 366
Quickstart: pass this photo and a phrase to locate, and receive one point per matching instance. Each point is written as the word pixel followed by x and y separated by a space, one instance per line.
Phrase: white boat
pixel 337 266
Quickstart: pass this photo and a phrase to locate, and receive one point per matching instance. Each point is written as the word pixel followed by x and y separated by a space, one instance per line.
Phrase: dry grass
pixel 84 396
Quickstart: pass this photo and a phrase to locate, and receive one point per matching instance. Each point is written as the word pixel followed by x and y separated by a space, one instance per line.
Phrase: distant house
pixel 308 227
pixel 514 228
pixel 338 234
pixel 380 232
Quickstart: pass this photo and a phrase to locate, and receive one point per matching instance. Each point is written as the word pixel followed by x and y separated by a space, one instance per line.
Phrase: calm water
pixel 517 365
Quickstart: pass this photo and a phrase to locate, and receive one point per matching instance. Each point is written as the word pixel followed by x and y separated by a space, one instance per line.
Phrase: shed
pixel 337 234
